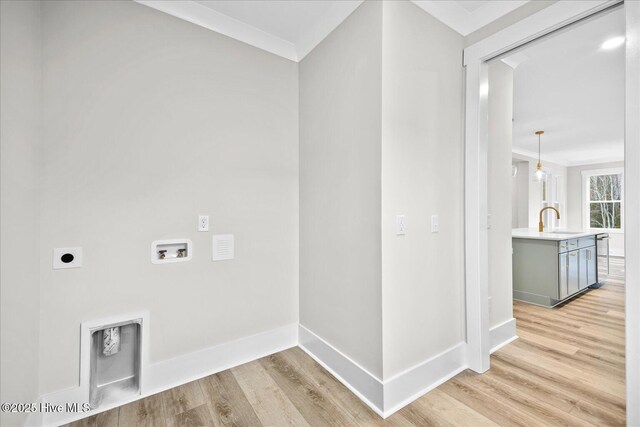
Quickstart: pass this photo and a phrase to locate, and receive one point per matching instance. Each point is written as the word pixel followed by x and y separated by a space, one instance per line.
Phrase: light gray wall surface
pixel 498 194
pixel 150 121
pixel 576 203
pixel 20 132
pixel 422 175
pixel 340 199
pixel 520 195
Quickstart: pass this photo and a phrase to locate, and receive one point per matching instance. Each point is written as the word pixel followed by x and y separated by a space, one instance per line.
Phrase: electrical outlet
pixel 401 225
pixel 203 223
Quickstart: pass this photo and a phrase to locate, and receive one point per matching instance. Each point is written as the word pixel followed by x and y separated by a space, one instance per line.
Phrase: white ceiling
pixel 292 28
pixel 571 88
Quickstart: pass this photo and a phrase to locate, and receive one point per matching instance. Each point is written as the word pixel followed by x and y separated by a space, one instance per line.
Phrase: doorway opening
pixel 556 163
pixel 575 187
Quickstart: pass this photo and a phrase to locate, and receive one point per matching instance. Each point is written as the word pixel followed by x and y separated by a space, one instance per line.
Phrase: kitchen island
pixel 552 266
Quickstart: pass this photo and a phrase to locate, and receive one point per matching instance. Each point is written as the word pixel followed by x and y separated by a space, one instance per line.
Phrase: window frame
pixel 586 198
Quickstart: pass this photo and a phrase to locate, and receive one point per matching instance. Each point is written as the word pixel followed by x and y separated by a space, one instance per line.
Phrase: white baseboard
pixel 404 388
pixel 502 334
pixel 173 372
pixel 383 397
pixel 389 396
pixel 35 418
pixel 363 384
pixel 177 371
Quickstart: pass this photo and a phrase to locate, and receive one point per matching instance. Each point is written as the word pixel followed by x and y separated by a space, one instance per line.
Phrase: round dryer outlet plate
pixel 67 258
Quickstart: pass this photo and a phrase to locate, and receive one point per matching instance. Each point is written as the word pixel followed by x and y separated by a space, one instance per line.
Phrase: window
pixel 604 199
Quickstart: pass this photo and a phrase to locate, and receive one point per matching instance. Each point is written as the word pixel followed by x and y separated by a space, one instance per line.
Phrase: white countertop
pixel 530 233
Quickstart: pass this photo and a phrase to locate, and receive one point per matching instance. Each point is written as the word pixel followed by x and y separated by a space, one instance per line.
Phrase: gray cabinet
pixel 563 273
pixel 582 268
pixel 574 272
pixel 591 265
pixel 568 274
pixel 546 272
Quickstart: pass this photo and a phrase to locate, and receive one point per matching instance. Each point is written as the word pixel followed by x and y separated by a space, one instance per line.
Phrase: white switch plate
pixel 401 225
pixel 67 258
pixel 223 247
pixel 203 223
pixel 435 223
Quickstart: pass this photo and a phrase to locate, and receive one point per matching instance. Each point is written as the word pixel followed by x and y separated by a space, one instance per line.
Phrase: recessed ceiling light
pixel 613 43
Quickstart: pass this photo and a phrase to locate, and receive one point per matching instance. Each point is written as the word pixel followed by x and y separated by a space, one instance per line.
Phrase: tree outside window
pixel 605 201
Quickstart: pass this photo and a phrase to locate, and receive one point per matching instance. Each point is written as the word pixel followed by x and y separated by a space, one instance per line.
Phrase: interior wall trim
pixel 161 376
pixel 198 14
pixel 383 397
pixel 362 383
pixel 388 396
pixel 402 389
pixel 502 334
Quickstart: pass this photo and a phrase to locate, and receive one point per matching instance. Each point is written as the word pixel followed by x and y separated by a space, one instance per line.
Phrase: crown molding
pixel 203 16
pixel 461 20
pixel 568 163
pixel 320 30
pixel 514 60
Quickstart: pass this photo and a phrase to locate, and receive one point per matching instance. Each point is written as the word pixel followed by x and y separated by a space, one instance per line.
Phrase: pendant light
pixel 539 173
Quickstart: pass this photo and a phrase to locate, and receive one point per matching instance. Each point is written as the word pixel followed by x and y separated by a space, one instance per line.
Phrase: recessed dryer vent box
pixel 168 251
pixel 115 375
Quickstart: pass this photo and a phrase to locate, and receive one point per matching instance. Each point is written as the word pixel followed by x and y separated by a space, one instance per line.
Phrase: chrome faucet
pixel 540 224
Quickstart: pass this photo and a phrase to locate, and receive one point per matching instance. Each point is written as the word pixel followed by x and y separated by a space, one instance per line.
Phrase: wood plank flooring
pixel 567 368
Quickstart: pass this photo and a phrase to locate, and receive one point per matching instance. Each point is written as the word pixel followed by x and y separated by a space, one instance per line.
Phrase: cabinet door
pixel 592 265
pixel 563 274
pixel 573 274
pixel 583 269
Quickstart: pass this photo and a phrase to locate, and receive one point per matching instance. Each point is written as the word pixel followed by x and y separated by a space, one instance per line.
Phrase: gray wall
pixel 340 161
pixel 150 121
pixel 499 188
pixel 520 195
pixel 20 130
pixel 422 175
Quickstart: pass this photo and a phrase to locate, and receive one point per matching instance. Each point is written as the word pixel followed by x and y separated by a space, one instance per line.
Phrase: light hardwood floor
pixel 567 368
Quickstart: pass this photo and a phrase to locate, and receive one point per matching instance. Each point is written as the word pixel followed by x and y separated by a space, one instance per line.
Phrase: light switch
pixel 401 225
pixel 435 223
pixel 203 223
